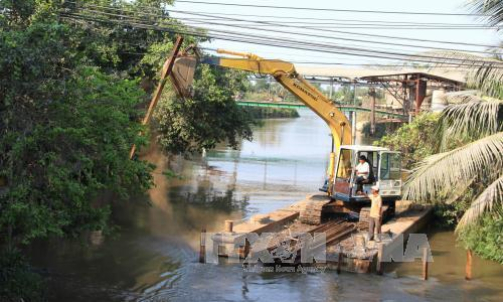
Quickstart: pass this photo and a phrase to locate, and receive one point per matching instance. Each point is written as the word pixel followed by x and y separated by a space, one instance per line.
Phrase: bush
pixel 18 281
pixel 415 140
pixel 268 112
pixel 485 238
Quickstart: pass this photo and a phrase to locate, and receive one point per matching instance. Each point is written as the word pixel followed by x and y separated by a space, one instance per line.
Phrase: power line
pixel 337 46
pixel 349 25
pixel 286 32
pixel 261 40
pixel 396 37
pixel 331 9
pixel 157 10
pixel 327 63
pixel 376 65
pixel 361 26
pixel 331 21
pixel 380 54
pixel 350 39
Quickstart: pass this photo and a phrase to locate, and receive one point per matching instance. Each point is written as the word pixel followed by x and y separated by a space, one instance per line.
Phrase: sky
pixel 472 36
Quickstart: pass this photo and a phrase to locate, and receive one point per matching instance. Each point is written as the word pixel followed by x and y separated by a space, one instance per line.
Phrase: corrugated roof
pixel 458 75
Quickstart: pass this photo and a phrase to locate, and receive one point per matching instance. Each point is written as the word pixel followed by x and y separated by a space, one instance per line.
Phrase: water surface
pixel 153 257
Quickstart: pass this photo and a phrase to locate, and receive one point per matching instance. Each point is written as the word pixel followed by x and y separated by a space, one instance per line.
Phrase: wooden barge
pixel 346 248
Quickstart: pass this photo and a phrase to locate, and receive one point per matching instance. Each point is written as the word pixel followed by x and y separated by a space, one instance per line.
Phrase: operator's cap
pixel 376 188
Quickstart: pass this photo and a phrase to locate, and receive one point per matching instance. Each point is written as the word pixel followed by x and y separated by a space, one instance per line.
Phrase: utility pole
pixel 353 116
pixel 372 110
pixel 331 88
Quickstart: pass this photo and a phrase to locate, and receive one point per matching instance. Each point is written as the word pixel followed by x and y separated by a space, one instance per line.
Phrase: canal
pixel 152 256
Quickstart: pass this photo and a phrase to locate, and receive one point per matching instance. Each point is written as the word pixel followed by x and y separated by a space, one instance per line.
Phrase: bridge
pixel 343 108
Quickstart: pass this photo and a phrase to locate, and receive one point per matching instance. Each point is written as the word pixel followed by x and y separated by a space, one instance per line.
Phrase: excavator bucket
pixel 183 74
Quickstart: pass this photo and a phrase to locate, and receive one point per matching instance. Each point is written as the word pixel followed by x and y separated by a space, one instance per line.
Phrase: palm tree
pixel 479 161
pixel 492 10
pixel 478 119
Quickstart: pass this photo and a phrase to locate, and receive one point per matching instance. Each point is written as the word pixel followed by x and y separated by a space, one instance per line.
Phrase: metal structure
pixel 410 88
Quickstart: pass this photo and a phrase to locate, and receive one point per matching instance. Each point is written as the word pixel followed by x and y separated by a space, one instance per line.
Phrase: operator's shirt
pixel 375 207
pixel 362 168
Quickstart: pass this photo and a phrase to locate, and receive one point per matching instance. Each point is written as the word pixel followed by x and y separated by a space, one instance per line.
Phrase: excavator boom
pixel 285 74
pixel 346 192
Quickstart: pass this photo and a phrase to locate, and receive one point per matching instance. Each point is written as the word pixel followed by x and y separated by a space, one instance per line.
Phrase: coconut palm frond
pixel 491 9
pixel 463 96
pixel 488 78
pixel 449 169
pixel 486 201
pixel 472 115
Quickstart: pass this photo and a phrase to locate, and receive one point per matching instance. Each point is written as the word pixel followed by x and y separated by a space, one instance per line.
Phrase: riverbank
pixel 269 112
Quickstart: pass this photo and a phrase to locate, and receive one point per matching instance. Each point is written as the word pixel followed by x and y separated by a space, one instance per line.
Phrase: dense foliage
pixel 431 136
pixel 70 92
pixel 66 129
pixel 73 83
pixel 17 279
pixel 270 112
pixel 485 238
pixel 415 140
pixel 209 117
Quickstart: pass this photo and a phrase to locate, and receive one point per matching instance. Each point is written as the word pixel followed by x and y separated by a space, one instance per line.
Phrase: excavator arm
pixel 287 76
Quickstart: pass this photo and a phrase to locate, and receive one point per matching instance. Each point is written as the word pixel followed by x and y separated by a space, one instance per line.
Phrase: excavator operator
pixel 362 173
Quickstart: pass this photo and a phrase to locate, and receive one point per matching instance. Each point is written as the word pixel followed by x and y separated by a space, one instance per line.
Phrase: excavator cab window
pixel 373 161
pixel 345 167
pixel 390 166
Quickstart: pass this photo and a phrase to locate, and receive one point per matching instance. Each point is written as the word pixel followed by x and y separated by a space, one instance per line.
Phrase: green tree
pixel 209 117
pixel 480 122
pixel 415 140
pixel 477 119
pixel 66 131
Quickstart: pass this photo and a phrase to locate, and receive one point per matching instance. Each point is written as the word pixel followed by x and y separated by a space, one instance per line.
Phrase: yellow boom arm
pixel 285 74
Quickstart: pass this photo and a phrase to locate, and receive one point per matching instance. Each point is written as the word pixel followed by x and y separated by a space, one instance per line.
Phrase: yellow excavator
pixel 340 184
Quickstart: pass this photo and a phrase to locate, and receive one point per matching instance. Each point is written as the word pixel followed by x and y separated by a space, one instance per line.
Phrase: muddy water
pixel 153 255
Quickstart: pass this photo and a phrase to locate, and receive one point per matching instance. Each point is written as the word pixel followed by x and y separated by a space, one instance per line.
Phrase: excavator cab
pixel 385 173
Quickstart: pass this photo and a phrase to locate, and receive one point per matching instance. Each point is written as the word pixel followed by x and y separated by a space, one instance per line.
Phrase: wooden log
pixel 380 264
pixel 229 225
pixel 425 264
pixel 339 262
pixel 468 268
pixel 202 247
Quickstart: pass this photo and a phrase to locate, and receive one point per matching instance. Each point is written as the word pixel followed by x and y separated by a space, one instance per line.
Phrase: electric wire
pixel 388 53
pixel 158 10
pixel 332 9
pixel 252 40
pixel 319 36
pixel 354 54
pixel 334 21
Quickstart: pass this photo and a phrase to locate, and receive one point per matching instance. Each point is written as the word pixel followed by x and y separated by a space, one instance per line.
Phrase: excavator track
pixel 311 211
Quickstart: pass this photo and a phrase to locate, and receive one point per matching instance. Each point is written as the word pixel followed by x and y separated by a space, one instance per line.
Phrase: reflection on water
pixel 153 257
